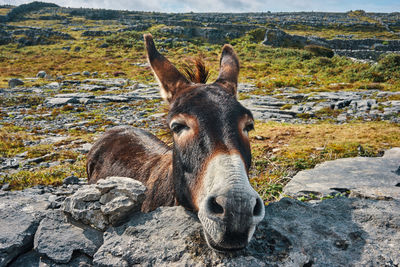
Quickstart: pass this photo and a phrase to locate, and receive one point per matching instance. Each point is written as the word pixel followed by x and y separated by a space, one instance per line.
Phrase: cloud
pixel 228 5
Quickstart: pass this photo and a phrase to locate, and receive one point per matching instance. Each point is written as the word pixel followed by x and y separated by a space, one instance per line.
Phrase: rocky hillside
pixel 209 27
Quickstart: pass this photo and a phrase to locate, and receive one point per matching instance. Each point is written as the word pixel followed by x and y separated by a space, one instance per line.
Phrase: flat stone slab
pixel 376 178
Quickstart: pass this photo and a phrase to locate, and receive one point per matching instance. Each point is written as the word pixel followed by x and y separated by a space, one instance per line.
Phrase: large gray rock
pixel 58 239
pixel 106 203
pixel 20 215
pixel 59 101
pixel 335 232
pixel 41 74
pixel 364 177
pixel 15 82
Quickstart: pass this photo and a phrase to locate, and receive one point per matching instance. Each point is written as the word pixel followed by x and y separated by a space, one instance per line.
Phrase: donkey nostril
pixel 214 207
pixel 258 207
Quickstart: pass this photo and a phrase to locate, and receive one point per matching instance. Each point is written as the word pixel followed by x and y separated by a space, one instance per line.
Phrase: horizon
pixel 223 6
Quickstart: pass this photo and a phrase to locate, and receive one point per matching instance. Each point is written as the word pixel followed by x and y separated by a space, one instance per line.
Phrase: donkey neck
pixel 159 183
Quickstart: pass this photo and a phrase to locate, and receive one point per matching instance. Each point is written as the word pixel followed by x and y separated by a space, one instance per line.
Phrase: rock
pixel 53 85
pixel 5 187
pixel 367 177
pixel 85 148
pixel 15 82
pixel 334 232
pixel 59 101
pixel 41 74
pixel 20 215
pixel 141 241
pixel 58 239
pixel 31 258
pixel 71 180
pixel 107 203
pixel 11 163
pixel 86 73
pixel 92 87
pixel 34 259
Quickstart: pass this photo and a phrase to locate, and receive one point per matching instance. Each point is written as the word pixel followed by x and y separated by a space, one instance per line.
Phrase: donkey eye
pixel 249 127
pixel 178 127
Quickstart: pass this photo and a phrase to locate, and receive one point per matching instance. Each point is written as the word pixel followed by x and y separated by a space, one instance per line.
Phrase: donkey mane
pixel 196 72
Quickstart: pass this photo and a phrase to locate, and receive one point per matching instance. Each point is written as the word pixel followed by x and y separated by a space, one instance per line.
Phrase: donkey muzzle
pixel 231 208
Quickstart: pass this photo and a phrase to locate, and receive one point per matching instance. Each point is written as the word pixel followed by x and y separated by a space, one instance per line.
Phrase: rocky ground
pixel 85 225
pixel 54 110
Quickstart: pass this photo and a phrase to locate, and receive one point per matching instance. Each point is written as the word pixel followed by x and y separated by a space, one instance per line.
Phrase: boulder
pixel 86 73
pixel 15 82
pixel 71 180
pixel 106 203
pixel 58 239
pixel 41 74
pixel 60 101
pixel 366 177
pixel 20 215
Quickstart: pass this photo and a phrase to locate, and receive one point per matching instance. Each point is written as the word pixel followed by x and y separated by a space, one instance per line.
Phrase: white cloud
pixel 227 6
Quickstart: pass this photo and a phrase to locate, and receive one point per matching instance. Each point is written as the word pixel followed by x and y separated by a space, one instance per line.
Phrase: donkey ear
pixel 169 78
pixel 228 70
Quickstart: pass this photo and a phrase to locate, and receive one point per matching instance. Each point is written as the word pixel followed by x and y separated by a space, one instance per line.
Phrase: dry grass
pixel 288 148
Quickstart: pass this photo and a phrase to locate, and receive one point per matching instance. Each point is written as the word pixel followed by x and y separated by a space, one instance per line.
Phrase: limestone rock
pixel 106 203
pixel 20 215
pixel 15 82
pixel 58 239
pixel 374 178
pixel 59 101
pixel 34 259
pixel 41 74
pixel 334 232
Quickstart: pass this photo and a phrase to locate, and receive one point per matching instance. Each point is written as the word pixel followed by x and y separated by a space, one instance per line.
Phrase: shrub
pixel 256 35
pixel 388 67
pixel 320 51
pixel 96 14
pixel 125 40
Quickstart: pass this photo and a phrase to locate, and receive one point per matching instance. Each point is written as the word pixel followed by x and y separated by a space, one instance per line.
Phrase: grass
pixel 279 150
pixel 267 67
pixel 286 149
pixel 47 176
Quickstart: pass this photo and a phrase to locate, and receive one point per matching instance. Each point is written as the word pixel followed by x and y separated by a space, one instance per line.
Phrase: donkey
pixel 206 170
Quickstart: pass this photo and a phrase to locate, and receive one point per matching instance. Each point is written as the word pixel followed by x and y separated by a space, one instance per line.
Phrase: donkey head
pixel 211 151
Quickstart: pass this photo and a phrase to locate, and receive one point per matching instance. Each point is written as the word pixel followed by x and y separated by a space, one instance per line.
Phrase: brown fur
pixel 229 69
pixel 130 152
pixel 200 73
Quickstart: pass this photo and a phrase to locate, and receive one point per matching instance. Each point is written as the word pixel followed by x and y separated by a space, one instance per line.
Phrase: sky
pixel 228 5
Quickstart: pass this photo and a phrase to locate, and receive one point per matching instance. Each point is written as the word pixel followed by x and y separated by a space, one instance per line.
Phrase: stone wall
pixel 357 48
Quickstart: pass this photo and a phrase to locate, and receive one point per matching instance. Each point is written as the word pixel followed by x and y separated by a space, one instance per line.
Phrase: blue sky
pixel 229 5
